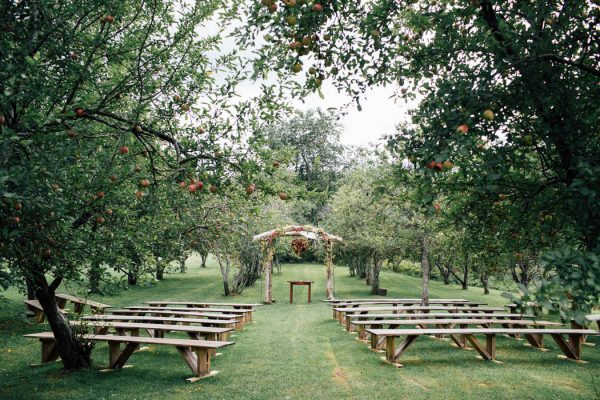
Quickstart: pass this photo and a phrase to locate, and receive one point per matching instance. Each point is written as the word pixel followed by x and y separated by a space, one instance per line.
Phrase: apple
pixel 15 220
pixel 109 18
pixel 46 253
pixel 18 206
pixel 200 185
pixel 448 164
pixel 297 68
pixel 438 166
pixel 327 36
pixel 55 187
pixel 100 220
pixel 71 133
pixel 273 8
pixel 182 184
pixel 502 196
pixel 137 168
pixel 276 164
pixel 488 115
pixel 290 3
pixel 213 189
pixel 375 33
pixel 113 178
pixel 137 128
pixel 283 196
pixel 318 82
pixel 437 208
pixel 464 128
pixel 176 98
pixel 518 256
pixel 185 107
pixel 79 112
pixel 312 70
pixel 317 7
pixel 139 194
pixel 250 188
pixel 200 130
pixel 124 150
pixel 430 164
pixel 292 20
pixel 306 40
pixel 145 183
pixel 192 188
pixel 2 120
pixel 100 195
pixel 109 212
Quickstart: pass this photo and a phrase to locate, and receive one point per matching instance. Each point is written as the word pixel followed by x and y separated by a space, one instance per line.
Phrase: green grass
pixel 296 352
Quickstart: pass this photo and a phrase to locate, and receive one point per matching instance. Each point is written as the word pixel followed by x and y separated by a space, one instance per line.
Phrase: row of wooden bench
pixel 382 323
pixel 206 335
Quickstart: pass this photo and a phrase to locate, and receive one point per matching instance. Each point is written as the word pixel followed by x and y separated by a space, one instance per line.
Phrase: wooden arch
pixel 306 231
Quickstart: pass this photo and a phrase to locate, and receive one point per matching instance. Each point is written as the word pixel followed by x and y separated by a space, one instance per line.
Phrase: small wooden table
pixel 300 283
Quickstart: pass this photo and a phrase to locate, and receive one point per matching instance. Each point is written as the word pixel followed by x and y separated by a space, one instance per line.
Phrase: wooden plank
pixel 404 345
pixel 477 346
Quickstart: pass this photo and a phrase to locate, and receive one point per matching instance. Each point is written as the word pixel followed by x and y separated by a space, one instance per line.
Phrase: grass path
pixel 296 352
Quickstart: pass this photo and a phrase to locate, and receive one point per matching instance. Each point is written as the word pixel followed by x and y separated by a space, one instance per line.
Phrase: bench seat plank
pixel 166 320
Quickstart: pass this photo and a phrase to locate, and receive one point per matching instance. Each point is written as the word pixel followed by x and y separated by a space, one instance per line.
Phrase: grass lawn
pixel 296 351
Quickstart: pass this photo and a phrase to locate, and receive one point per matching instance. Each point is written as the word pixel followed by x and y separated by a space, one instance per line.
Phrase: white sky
pixel 379 115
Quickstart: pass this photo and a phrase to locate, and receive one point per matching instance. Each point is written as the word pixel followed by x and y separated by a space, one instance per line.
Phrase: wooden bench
pixel 225 323
pixel 191 314
pixel 195 353
pixel 594 318
pixel 245 313
pixel 156 330
pixel 196 304
pixel 79 303
pixel 367 300
pixel 352 318
pixel 36 308
pixel 414 302
pixel 571 347
pixel 343 312
pixel 376 343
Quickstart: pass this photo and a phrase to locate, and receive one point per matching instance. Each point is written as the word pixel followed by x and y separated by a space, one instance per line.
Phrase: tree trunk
pixel 375 274
pixel 203 257
pixel 30 289
pixel 465 280
pixel 426 271
pixel 95 273
pixel 71 351
pixel 182 268
pixel 485 281
pixel 160 272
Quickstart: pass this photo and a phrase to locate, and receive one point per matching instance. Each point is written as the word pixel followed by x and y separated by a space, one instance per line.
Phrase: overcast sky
pixel 378 117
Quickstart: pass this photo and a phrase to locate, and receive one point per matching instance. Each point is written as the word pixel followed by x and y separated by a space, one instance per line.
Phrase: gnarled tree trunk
pixel 71 351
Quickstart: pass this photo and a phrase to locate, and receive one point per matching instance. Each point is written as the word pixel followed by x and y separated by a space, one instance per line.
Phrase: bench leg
pixel 40 316
pixel 118 358
pixel 362 333
pixel 536 340
pixel 572 348
pixel 390 348
pixel 78 308
pixel 198 361
pixel 61 303
pixel 49 351
pixel 404 345
pixel 489 352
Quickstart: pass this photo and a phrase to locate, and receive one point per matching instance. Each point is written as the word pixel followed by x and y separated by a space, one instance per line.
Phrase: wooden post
pixel 309 286
pixel 329 288
pixel 291 292
pixel 268 294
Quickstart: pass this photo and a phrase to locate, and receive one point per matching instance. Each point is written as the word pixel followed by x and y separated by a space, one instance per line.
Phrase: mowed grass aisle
pixel 296 352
